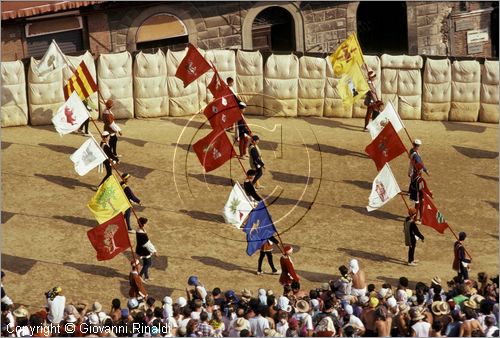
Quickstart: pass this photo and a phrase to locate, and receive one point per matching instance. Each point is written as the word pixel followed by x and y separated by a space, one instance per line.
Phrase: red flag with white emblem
pixel 223 112
pixel 218 86
pixel 385 147
pixel 192 66
pixel 431 215
pixel 214 150
pixel 109 238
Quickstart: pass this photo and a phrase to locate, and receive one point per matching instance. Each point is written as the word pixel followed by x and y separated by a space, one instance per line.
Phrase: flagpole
pixel 406 203
pixel 454 234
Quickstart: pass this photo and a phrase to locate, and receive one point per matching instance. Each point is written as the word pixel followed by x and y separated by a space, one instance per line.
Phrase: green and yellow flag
pixel 108 201
pixel 352 85
pixel 347 53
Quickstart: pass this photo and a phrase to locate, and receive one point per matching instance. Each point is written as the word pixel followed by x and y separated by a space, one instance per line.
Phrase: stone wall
pixel 431 22
pixel 12 43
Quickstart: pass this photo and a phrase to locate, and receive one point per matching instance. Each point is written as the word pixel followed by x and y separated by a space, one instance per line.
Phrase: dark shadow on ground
pixel 77 220
pixel 96 270
pixel 215 262
pixel 203 216
pixel 134 141
pixel 361 184
pixel 268 145
pixel 317 277
pixel 376 213
pixel 325 122
pixel 494 236
pixel 66 182
pixel 187 123
pixel 290 201
pixel 185 147
pixel 16 264
pixel 324 148
pixel 394 282
pixel 6 216
pixel 458 126
pixel 58 148
pixel 135 170
pixel 291 178
pixel 6 145
pixel 493 204
pixel 360 254
pixel 486 177
pixel 153 290
pixel 213 179
pixel 476 153
pixel 159 262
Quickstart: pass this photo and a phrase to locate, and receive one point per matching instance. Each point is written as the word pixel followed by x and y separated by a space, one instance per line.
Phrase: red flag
pixel 109 238
pixel 223 113
pixel 214 150
pixel 218 86
pixel 432 217
pixel 192 66
pixel 385 147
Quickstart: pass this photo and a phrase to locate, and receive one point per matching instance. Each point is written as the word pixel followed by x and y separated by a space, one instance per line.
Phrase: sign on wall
pixel 477 35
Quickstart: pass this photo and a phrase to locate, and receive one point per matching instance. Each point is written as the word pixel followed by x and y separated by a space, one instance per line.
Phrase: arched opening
pixel 382 27
pixel 162 31
pixel 274 30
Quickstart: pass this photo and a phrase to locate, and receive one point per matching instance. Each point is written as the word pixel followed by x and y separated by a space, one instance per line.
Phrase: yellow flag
pixel 352 85
pixel 108 201
pixel 348 52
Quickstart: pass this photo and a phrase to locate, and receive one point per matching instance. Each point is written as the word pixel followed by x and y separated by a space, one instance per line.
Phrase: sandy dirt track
pixel 318 188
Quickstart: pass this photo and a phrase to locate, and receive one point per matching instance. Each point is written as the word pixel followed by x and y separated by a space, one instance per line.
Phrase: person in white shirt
pixel 282 325
pixel 490 327
pixel 354 321
pixel 420 328
pixel 55 303
pixel 258 323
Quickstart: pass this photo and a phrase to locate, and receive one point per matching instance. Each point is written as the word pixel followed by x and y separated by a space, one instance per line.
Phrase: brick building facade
pixel 430 28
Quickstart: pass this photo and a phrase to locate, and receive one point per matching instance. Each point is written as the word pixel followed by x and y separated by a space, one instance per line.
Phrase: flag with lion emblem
pixel 109 238
pixel 70 115
pixel 237 207
pixel 87 157
pixel 109 200
pixel 259 228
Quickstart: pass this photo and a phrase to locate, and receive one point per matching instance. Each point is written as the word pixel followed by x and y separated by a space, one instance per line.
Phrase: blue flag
pixel 259 228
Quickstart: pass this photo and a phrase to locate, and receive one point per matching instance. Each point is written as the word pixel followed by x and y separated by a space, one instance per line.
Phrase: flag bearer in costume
pixel 111 127
pixel 144 248
pixel 131 197
pixel 417 188
pixel 256 162
pixel 288 274
pixel 411 233
pixel 373 107
pixel 267 250
pixel 416 162
pixel 136 286
pixel 111 157
pixel 249 188
pixel 460 261
pixel 242 132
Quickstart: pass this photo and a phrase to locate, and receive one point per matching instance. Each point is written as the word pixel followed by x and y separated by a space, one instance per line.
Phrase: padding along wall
pixel 373 63
pixel 182 101
pixel 14 102
pixel 402 84
pixel 488 111
pixel 114 73
pixel 225 63
pixel 150 85
pixel 465 91
pixel 45 94
pixel 250 80
pixel 90 63
pixel 436 97
pixel 333 106
pixel 281 78
pixel 312 80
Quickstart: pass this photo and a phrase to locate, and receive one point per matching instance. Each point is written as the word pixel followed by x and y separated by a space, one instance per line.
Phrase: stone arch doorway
pixel 273 30
pixel 382 27
pixel 259 7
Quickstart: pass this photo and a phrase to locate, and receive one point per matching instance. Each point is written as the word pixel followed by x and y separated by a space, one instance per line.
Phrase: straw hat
pixel 440 308
pixel 246 294
pixel 302 306
pixel 477 298
pixel 416 314
pixel 404 308
pixel 240 324
pixel 471 303
pixel 436 280
pixel 21 312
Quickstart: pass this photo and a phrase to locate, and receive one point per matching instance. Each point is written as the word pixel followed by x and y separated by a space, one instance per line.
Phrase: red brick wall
pixel 99 35
pixel 12 43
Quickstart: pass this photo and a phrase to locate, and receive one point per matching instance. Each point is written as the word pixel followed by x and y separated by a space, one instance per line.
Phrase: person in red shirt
pixel 288 274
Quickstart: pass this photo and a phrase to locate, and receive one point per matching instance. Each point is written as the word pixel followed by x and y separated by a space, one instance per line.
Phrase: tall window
pixel 162 31
pixel 274 30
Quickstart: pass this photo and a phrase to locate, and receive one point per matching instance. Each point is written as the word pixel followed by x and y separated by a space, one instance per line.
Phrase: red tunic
pixel 287 271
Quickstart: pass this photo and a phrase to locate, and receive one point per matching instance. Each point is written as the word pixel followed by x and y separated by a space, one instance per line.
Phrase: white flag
pixel 71 115
pixel 237 207
pixel 52 60
pixel 384 188
pixel 388 114
pixel 87 157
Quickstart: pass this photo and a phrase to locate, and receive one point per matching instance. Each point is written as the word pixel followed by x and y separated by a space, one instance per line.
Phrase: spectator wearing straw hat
pixel 419 328
pixel 256 162
pixel 131 197
pixel 288 274
pixel 144 248
pixel 460 261
pixel 411 232
pixel 110 126
pixel 106 148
